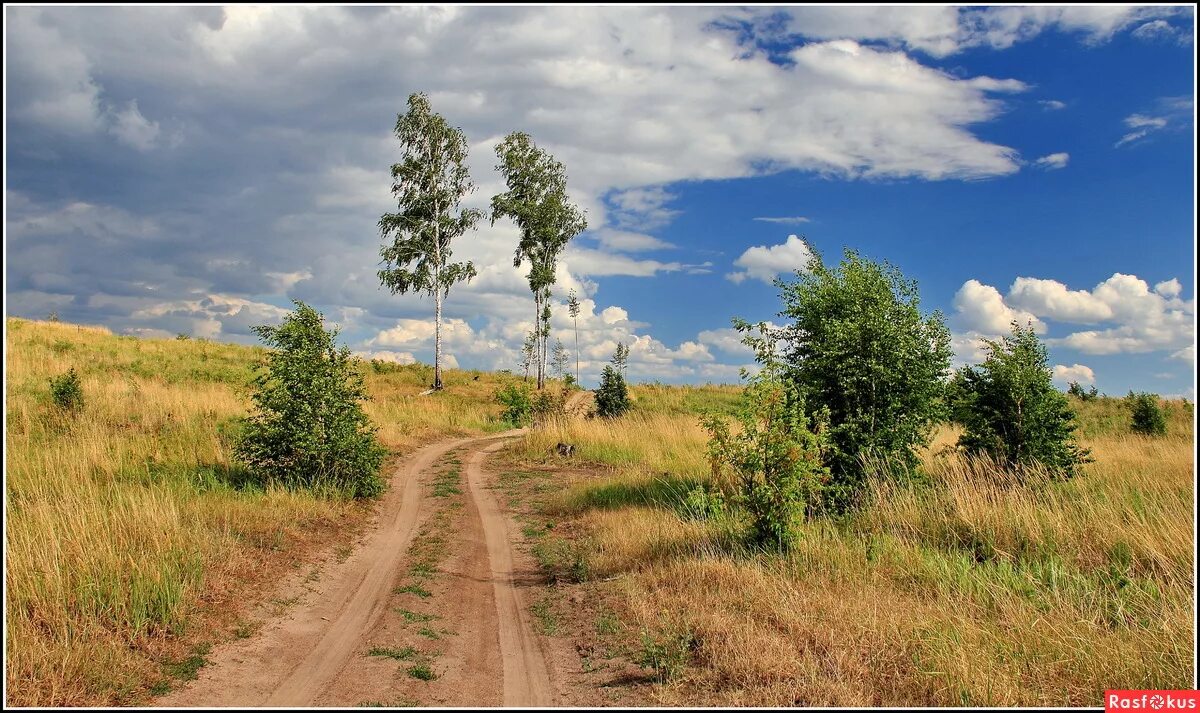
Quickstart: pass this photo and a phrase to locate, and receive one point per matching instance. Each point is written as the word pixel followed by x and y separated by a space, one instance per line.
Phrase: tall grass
pixel 970 587
pixel 128 528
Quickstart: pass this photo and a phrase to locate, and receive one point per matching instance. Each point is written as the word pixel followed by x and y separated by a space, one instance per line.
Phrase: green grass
pixel 403 654
pixel 413 589
pixel 412 616
pixel 545 619
pixel 422 672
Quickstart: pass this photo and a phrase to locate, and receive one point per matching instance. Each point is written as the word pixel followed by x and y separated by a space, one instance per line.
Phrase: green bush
pixel 548 404
pixel 1010 410
pixel 308 428
pixel 1076 389
pixel 67 391
pixel 1148 416
pixel 518 406
pixel 859 348
pixel 612 398
pixel 775 457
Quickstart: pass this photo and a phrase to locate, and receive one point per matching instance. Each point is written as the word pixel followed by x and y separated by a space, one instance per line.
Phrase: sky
pixel 193 170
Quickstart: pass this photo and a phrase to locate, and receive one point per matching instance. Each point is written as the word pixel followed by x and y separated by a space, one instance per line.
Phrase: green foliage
pixel 548 404
pixel 537 201
pixel 308 428
pixel 1076 389
pixel 429 183
pixel 858 348
pixel 1148 417
pixel 612 398
pixel 1010 410
pixel 666 653
pixel 776 459
pixel 66 391
pixel 559 360
pixel 518 406
pixel 702 503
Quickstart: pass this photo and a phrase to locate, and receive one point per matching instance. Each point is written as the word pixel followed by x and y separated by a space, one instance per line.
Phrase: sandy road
pixel 309 655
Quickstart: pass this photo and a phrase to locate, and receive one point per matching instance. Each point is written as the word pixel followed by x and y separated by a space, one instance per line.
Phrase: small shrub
pixel 548 404
pixel 666 653
pixel 53 316
pixel 1010 410
pixel 518 406
pixel 1148 416
pixel 67 391
pixel 309 428
pixel 701 503
pixel 612 398
pixel 422 671
pixel 776 459
pixel 1076 389
pixel 182 337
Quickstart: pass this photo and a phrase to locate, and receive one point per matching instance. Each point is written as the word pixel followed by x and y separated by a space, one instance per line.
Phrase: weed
pixel 429 633
pixel 413 589
pixel 412 616
pixel 422 672
pixel 403 654
pixel 666 653
pixel 545 619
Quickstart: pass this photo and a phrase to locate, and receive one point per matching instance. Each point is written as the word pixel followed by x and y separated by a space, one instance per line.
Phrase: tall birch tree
pixel 537 202
pixel 429 184
pixel 573 308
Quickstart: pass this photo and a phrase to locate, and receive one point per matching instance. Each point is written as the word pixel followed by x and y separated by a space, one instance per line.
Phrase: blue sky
pixel 193 169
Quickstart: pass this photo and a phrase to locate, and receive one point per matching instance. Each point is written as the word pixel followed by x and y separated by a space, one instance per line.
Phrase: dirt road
pixel 317 652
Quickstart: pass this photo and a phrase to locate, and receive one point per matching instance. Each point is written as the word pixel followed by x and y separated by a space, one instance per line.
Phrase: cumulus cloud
pixel 981 308
pixel 1139 319
pixel 1053 161
pixel 1076 372
pixel 766 263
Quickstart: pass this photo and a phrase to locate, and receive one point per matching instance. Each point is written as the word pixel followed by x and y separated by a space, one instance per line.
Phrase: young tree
pixel 1010 410
pixel 620 358
pixel 1076 389
pixel 308 427
pixel 775 456
pixel 559 362
pixel 573 308
pixel 612 397
pixel 858 347
pixel 429 183
pixel 537 202
pixel 527 350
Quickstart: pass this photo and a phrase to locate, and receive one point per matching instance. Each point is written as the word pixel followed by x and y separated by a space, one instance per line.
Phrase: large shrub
pixel 1148 416
pixel 775 458
pixel 308 428
pixel 612 398
pixel 858 348
pixel 1010 410
pixel 518 407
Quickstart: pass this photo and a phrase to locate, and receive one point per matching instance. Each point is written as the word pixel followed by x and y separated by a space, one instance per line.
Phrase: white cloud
pixel 1076 372
pixel 390 356
pixel 1161 31
pixel 629 242
pixel 981 308
pixel 766 263
pixel 787 220
pixel 1053 161
pixel 1052 104
pixel 1049 298
pixel 1187 354
pixel 1169 288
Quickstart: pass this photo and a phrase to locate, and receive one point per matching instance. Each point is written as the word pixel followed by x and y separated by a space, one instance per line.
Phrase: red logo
pixel 1152 701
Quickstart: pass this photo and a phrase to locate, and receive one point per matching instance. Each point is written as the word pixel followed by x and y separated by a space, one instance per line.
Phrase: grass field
pixel 129 538
pixel 966 591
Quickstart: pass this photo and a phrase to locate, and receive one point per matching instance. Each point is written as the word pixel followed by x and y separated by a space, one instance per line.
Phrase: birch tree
pixel 429 184
pixel 536 200
pixel 573 308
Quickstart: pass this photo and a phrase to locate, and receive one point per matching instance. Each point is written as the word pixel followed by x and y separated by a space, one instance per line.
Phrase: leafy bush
pixel 1010 410
pixel 702 503
pixel 548 404
pixel 1076 389
pixel 518 407
pixel 859 349
pixel 308 428
pixel 612 398
pixel 67 391
pixel 775 458
pixel 1148 416
pixel 667 652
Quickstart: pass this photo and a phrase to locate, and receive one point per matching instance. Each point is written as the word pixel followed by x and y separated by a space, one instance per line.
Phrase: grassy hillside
pixel 964 592
pixel 129 538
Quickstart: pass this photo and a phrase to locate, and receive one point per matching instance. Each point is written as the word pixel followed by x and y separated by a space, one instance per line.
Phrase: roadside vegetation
pixel 984 559
pixel 132 531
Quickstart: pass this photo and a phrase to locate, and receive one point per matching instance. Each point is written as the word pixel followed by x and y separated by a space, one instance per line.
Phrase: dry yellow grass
pixel 968 591
pixel 122 523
